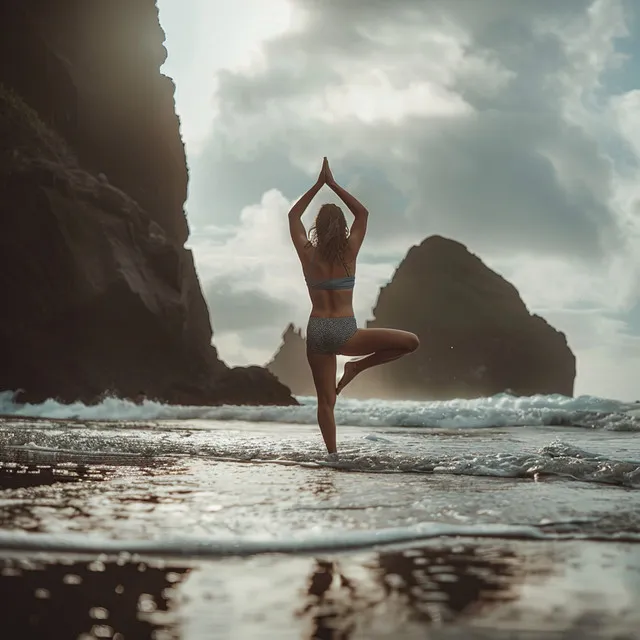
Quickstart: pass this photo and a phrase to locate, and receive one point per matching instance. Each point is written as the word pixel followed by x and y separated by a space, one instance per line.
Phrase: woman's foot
pixel 350 372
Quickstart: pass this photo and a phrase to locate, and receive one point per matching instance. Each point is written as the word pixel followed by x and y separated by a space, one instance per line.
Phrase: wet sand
pixel 463 588
pixel 201 499
pixel 459 586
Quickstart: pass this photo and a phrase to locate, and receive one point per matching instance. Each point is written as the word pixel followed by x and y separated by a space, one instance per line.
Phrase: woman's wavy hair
pixel 329 234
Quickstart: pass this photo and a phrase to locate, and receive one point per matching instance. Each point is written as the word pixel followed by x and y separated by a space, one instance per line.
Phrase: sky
pixel 511 126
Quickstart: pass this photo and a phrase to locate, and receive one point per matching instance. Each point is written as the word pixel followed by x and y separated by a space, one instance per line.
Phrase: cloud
pixel 252 280
pixel 609 351
pixel 466 114
pixel 238 310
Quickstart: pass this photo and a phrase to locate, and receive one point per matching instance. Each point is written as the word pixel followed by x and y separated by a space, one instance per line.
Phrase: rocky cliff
pixel 99 293
pixel 290 364
pixel 477 336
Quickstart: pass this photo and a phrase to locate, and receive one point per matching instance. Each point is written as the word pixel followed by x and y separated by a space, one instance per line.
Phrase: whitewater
pixel 499 410
pixel 586 438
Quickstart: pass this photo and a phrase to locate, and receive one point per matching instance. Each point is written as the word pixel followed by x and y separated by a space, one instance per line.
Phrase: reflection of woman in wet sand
pixel 329 615
pixel 328 256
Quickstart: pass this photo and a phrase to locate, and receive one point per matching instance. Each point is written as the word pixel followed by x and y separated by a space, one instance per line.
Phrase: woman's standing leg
pixel 323 368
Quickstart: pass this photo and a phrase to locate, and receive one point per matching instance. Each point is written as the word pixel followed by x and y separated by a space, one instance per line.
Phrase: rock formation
pixel 99 293
pixel 290 363
pixel 477 336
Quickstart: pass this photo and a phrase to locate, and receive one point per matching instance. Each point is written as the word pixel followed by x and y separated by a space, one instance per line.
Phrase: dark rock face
pixel 99 293
pixel 91 71
pixel 290 364
pixel 477 336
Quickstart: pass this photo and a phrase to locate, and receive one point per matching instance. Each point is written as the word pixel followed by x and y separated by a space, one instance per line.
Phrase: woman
pixel 328 256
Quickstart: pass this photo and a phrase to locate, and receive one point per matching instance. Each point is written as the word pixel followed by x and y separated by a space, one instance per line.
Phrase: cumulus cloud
pixel 490 122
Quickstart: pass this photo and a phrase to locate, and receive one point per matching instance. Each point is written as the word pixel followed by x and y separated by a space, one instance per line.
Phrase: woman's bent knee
pixel 409 342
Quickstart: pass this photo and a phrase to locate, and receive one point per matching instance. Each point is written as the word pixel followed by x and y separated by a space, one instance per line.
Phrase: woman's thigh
pixel 323 369
pixel 366 341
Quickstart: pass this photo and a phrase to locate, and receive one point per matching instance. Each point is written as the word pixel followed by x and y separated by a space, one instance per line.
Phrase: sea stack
pixel 99 293
pixel 290 364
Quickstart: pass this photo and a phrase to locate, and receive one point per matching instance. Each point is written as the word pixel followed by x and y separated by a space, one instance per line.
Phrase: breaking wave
pixel 501 410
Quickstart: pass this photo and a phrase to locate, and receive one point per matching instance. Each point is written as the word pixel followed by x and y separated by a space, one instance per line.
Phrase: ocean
pixel 502 517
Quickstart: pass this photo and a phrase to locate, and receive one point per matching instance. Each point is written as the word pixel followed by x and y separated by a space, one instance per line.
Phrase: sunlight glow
pixel 210 36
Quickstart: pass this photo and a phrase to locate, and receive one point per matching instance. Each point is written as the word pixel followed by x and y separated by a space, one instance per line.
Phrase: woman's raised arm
pixel 359 211
pixel 296 228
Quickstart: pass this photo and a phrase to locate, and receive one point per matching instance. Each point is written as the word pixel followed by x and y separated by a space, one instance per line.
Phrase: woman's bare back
pixel 329 303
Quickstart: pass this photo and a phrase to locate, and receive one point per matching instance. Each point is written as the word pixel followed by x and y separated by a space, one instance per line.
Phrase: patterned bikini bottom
pixel 328 335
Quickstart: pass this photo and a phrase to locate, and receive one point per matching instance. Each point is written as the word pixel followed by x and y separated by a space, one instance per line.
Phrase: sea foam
pixel 497 411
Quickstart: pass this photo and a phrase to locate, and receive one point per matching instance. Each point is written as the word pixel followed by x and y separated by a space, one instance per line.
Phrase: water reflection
pixel 20 504
pixel 328 589
pixel 425 585
pixel 117 599
pixel 21 476
pixel 31 500
pixel 33 455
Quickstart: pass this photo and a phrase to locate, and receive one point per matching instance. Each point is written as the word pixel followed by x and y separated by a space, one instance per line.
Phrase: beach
pixel 232 525
pixel 447 189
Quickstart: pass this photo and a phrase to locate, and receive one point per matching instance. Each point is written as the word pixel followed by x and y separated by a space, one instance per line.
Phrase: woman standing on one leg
pixel 328 257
